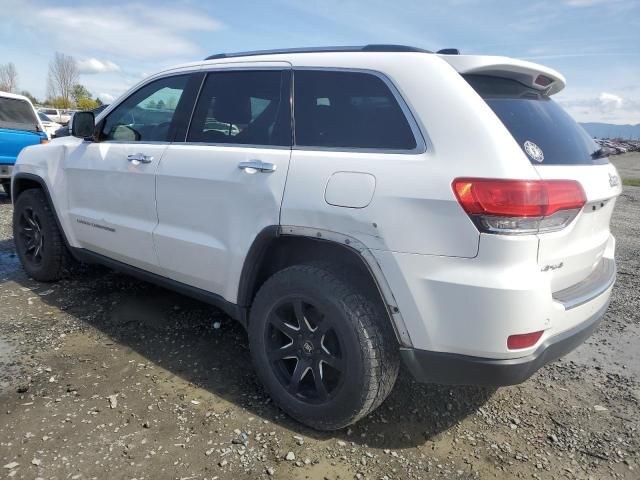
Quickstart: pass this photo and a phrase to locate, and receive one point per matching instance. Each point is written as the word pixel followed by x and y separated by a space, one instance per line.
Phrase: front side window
pixel 243 107
pixel 16 114
pixel 348 110
pixel 146 115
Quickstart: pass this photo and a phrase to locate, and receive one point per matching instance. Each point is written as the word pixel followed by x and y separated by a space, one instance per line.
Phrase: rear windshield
pixel 17 114
pixel 545 132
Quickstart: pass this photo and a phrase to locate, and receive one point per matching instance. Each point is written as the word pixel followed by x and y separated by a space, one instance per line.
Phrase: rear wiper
pixel 600 153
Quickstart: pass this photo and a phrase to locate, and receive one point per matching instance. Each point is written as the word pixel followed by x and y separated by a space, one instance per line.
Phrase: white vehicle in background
pixel 439 209
pixel 56 115
pixel 49 125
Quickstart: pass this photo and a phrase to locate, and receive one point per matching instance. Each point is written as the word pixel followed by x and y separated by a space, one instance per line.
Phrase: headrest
pixel 232 108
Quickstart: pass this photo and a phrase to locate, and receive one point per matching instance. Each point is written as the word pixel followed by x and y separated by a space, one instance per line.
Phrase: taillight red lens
pixel 563 195
pixel 485 199
pixel 517 198
pixel 526 340
pixel 510 198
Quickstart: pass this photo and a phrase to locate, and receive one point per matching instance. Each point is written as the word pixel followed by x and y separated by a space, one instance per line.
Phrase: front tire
pixel 322 348
pixel 38 240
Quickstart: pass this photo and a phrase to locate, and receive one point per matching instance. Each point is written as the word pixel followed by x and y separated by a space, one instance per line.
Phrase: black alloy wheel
pixel 31 236
pixel 303 345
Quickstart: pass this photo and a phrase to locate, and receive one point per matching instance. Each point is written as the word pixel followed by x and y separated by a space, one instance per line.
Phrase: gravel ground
pixel 105 376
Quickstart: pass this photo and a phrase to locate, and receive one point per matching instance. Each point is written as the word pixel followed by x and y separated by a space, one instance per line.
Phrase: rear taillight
pixel 519 206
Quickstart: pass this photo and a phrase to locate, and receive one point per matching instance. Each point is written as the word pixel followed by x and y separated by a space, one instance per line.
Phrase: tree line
pixel 64 89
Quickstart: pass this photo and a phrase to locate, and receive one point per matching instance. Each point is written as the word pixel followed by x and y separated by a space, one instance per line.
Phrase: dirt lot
pixel 102 376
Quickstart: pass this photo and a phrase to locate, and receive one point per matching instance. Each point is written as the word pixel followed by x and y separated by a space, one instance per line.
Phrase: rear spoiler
pixel 531 74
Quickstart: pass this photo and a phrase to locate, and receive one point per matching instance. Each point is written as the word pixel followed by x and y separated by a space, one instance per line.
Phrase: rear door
pixel 559 148
pixel 223 184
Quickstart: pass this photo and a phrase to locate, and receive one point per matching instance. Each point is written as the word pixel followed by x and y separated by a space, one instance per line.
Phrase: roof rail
pixel 364 48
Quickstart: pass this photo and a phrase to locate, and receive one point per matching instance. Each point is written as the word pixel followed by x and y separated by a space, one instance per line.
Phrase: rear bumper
pixel 5 171
pixel 456 369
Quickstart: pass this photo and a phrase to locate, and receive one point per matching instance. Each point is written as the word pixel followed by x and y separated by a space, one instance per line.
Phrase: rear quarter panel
pixel 413 208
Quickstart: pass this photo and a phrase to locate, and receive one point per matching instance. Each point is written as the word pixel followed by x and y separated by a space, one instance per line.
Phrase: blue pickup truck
pixel 20 127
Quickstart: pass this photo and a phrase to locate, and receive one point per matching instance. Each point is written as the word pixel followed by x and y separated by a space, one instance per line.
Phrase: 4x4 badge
pixel 534 151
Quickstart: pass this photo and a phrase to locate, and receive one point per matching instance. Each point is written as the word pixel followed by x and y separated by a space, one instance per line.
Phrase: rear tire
pixel 38 240
pixel 322 348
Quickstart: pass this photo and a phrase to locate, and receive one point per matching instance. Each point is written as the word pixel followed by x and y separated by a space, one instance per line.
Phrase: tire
pixel 38 240
pixel 309 322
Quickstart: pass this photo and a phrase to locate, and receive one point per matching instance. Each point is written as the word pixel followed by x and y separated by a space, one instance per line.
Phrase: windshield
pixel 545 132
pixel 43 117
pixel 16 114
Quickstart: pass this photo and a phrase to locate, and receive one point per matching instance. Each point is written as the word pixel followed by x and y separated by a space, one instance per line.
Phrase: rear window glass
pixel 543 129
pixel 348 110
pixel 17 114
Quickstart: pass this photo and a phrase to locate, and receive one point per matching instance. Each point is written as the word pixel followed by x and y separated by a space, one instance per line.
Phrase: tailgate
pixel 570 255
pixel 559 149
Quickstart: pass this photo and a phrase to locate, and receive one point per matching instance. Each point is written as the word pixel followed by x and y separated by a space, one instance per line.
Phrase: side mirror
pixel 83 125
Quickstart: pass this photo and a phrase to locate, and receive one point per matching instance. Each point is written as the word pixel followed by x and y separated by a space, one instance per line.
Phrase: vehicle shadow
pixel 177 334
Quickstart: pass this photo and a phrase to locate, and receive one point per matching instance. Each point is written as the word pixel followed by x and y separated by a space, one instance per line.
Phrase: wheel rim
pixel 305 350
pixel 31 236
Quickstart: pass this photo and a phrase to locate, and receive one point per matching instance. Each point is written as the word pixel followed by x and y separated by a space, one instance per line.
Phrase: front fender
pixel 44 164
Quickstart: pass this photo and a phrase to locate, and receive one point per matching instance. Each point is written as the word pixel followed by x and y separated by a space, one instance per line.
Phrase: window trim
pixel 242 68
pixel 113 107
pixel 418 135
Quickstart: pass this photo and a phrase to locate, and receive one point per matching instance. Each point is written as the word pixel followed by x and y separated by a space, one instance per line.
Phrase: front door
pixel 218 189
pixel 111 181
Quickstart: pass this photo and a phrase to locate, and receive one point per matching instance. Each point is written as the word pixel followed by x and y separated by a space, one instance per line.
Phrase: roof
pixel 14 96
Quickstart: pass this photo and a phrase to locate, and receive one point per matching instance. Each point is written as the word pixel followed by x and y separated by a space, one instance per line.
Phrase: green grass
pixel 631 182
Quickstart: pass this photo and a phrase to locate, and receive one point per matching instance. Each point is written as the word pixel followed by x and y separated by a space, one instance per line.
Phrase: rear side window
pixel 17 114
pixel 545 132
pixel 243 108
pixel 336 109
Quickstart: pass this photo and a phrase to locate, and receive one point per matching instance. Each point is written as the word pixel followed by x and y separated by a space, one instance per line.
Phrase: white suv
pixel 55 115
pixel 351 207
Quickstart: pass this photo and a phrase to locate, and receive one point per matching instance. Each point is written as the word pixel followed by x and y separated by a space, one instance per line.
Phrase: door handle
pixel 138 158
pixel 253 166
